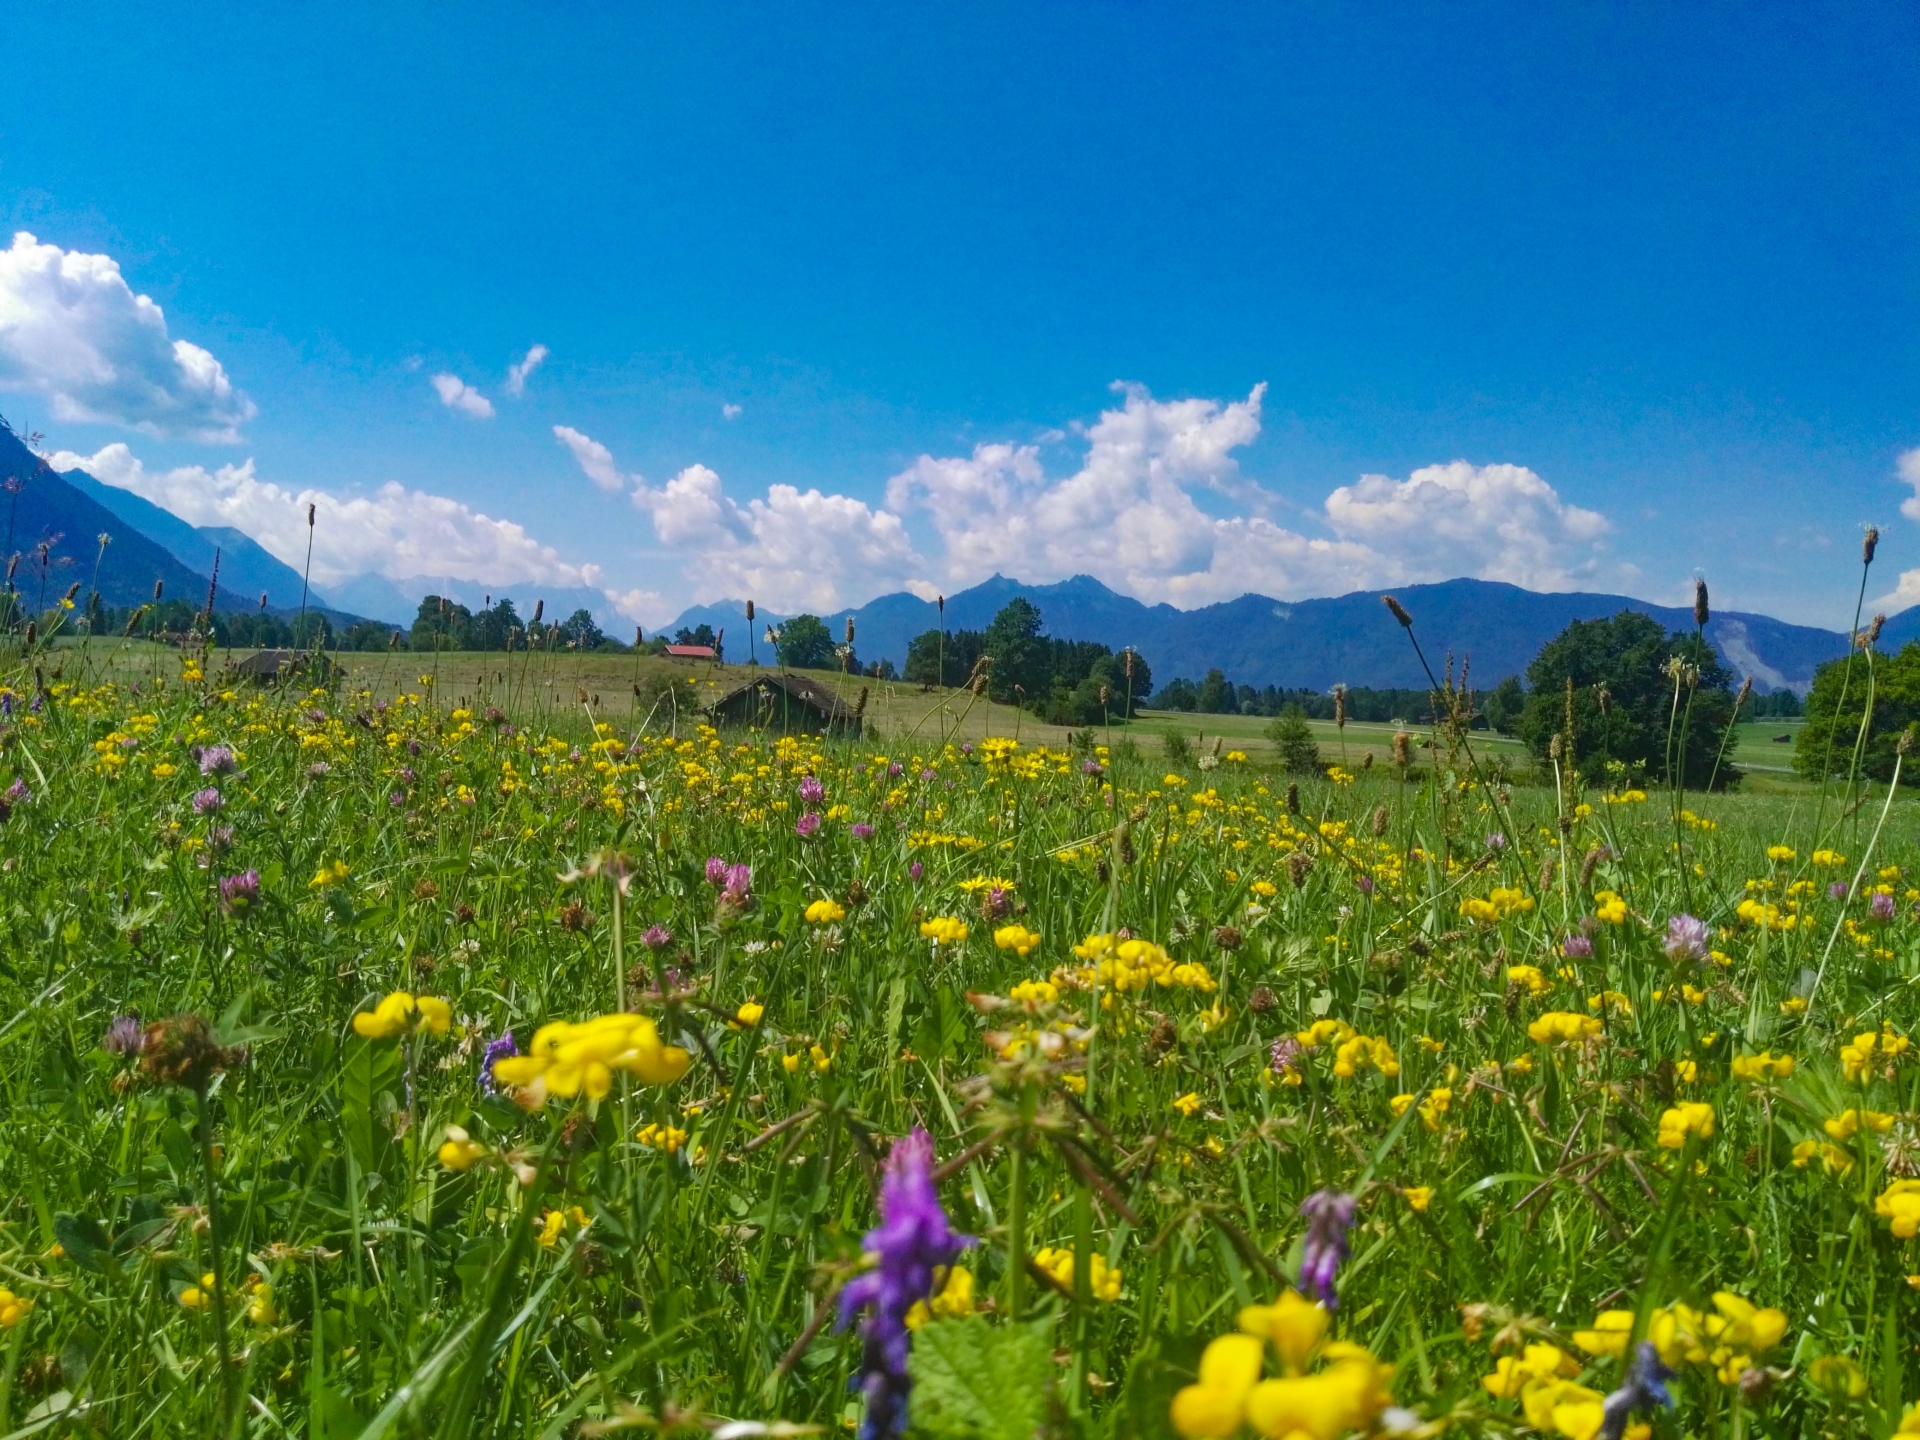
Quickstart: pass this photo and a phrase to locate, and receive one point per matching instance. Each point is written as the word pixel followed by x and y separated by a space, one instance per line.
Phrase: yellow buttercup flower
pixel 331 872
pixel 1294 1324
pixel 1188 1104
pixel 826 912
pixel 953 1297
pixel 1900 1203
pixel 13 1308
pixel 1103 1281
pixel 1418 1197
pixel 1757 1068
pixel 1609 1335
pixel 1849 1123
pixel 1563 1027
pixel 944 930
pixel 199 1297
pixel 750 1013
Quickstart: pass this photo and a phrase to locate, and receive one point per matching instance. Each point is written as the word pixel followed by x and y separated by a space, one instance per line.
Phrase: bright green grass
pixel 408 1299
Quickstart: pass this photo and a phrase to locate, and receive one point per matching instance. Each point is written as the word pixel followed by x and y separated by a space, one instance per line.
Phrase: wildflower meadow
pixel 392 1065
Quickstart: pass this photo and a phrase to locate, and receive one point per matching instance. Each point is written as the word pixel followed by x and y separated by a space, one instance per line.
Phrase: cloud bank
pixel 72 330
pixel 1141 512
pixel 456 394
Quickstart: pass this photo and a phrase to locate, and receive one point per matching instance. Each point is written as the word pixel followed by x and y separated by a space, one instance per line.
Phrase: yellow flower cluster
pixel 1541 1378
pixel 1017 938
pixel 1103 1281
pixel 331 872
pixel 459 1150
pixel 1849 1123
pixel 1499 903
pixel 1563 1027
pixel 567 1058
pixel 1348 1393
pixel 13 1308
pixel 1536 983
pixel 1755 1069
pixel 1725 1342
pixel 661 1137
pixel 1432 1111
pixel 1683 1121
pixel 1610 907
pixel 1828 859
pixel 953 1298
pixel 1900 1203
pixel 827 912
pixel 1869 1049
pixel 1352 1051
pixel 1131 965
pixel 1034 992
pixel 400 1013
pixel 1765 916
pixel 944 930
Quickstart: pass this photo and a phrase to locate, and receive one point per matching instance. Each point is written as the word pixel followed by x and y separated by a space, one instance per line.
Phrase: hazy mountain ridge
pixel 1352 639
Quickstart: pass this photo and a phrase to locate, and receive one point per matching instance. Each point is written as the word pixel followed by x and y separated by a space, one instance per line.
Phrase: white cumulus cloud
pixel 456 394
pixel 1492 522
pixel 730 412
pixel 517 374
pixel 1908 468
pixel 395 532
pixel 73 330
pixel 593 458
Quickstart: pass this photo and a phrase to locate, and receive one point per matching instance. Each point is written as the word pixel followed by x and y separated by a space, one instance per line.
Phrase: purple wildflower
pixel 1329 1214
pixel 1687 938
pixel 739 880
pixel 240 893
pixel 496 1050
pixel 1837 890
pixel 911 1240
pixel 216 760
pixel 1365 882
pixel 657 937
pixel 807 824
pixel 1285 1051
pixel 406 775
pixel 812 792
pixel 206 801
pixel 896 769
pixel 125 1036
pixel 997 903
pixel 1496 842
pixel 916 870
pixel 927 774
pixel 966 747
pixel 318 770
pixel 1092 767
pixel 716 870
pixel 1644 1387
pixel 862 830
pixel 396 798
pixel 1882 907
pixel 219 837
pixel 1577 947
pixel 18 793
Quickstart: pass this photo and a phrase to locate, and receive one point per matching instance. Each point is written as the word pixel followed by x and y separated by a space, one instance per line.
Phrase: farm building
pixel 690 652
pixel 789 704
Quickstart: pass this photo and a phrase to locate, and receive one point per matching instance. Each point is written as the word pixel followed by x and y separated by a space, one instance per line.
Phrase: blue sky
pixel 1653 275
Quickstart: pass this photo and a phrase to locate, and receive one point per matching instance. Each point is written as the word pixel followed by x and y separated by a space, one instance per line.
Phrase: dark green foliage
pixel 1642 723
pixel 976 1381
pixel 1019 653
pixel 1294 739
pixel 1826 743
pixel 806 644
pixel 1216 695
pixel 1058 680
pixel 1503 705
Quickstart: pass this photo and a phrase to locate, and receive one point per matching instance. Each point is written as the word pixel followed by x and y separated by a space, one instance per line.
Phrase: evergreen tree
pixel 1293 738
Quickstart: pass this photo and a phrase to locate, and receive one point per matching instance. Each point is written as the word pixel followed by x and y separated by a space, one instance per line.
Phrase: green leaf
pixel 85 1241
pixel 369 1070
pixel 976 1381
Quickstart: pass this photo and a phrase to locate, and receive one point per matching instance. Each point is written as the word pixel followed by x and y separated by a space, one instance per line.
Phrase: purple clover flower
pixel 812 792
pixel 1577 947
pixel 499 1049
pixel 1687 938
pixel 912 1238
pixel 240 893
pixel 1365 882
pixel 807 824
pixel 916 870
pixel 125 1036
pixel 896 769
pixel 217 760
pixel 1496 842
pixel 1285 1051
pixel 657 937
pixel 219 837
pixel 1882 907
pixel 739 880
pixel 1837 890
pixel 927 774
pixel 862 830
pixel 206 801
pixel 18 793
pixel 1329 1215
pixel 716 870
pixel 998 903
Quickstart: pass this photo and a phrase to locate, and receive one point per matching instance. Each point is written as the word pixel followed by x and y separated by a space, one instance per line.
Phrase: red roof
pixel 690 652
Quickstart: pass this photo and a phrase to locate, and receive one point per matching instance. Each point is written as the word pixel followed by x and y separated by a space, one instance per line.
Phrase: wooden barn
pixel 789 704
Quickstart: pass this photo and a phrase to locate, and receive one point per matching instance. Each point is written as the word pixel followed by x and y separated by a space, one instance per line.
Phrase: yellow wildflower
pixel 1687 1119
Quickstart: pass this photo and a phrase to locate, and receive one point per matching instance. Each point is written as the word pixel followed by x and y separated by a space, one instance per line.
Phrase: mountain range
pixel 1255 639
pixel 1350 639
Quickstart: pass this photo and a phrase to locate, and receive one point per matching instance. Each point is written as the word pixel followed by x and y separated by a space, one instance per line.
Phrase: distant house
pixel 270 664
pixel 790 704
pixel 690 652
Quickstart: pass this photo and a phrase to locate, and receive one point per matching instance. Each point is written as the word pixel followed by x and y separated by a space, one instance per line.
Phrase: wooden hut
pixel 789 704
